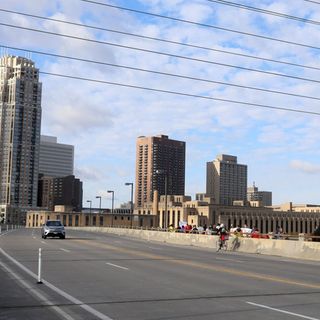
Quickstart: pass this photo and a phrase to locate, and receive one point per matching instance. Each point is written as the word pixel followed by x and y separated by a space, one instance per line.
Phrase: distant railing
pixel 8 227
pixel 270 235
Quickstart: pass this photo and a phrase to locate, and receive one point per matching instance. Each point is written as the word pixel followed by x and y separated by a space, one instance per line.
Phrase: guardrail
pixel 7 227
pixel 269 235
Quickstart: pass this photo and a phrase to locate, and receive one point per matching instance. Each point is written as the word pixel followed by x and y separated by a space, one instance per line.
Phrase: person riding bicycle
pixel 223 236
pixel 237 233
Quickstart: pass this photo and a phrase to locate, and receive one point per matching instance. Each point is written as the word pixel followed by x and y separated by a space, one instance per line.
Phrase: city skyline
pixel 104 121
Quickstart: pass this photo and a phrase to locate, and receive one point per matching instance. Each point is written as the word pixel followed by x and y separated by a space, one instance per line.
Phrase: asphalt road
pixel 101 276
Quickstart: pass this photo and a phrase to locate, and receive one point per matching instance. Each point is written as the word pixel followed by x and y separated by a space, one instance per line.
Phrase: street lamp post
pixel 90 211
pixel 99 197
pixel 111 191
pixel 131 184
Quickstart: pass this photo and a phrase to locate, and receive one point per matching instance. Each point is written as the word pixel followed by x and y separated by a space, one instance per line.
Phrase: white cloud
pixel 305 166
pixel 103 121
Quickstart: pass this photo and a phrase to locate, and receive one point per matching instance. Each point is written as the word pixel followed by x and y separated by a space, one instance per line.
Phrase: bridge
pixel 119 275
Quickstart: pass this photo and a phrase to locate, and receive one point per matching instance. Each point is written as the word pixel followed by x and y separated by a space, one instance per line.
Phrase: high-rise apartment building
pixel 264 197
pixel 20 122
pixel 65 191
pixel 160 165
pixel 226 180
pixel 56 159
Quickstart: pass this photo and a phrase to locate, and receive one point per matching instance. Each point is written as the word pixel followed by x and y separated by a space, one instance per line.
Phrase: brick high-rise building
pixel 20 122
pixel 158 160
pixel 226 180
pixel 65 191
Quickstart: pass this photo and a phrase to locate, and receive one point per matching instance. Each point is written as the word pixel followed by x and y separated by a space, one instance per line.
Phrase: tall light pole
pixel 131 184
pixel 165 194
pixel 111 191
pixel 90 211
pixel 99 197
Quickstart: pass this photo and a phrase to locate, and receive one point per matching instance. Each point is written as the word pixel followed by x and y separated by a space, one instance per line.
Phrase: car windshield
pixel 53 224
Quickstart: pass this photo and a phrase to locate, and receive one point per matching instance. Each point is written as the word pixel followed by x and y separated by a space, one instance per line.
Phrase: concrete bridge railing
pixel 284 248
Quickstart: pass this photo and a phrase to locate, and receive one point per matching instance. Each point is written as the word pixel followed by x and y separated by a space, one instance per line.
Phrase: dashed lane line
pixel 116 266
pixel 62 293
pixel 206 266
pixel 282 311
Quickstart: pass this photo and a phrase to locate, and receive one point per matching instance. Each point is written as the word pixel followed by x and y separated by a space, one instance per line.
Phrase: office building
pixel 226 180
pixel 263 197
pixel 160 166
pixel 20 122
pixel 55 191
pixel 56 159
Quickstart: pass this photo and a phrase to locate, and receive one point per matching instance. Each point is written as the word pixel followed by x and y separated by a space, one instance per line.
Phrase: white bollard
pixel 39 267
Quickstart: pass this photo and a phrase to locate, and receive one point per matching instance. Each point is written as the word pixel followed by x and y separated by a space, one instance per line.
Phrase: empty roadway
pixel 104 276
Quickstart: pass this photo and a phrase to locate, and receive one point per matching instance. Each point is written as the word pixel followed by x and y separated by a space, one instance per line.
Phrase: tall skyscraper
pixel 226 180
pixel 160 163
pixel 56 159
pixel 264 197
pixel 20 121
pixel 60 191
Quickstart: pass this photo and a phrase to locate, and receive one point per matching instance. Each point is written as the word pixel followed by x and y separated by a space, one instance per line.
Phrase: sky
pixel 102 121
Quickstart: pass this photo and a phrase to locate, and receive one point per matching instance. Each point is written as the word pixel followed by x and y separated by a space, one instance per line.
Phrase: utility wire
pixel 264 11
pixel 201 24
pixel 160 73
pixel 161 53
pixel 161 40
pixel 180 93
pixel 176 93
pixel 312 1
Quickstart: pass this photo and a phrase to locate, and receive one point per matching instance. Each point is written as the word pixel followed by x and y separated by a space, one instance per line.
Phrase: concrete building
pixel 56 159
pixel 20 122
pixel 293 219
pixel 160 165
pixel 226 180
pixel 264 197
pixel 65 191
pixel 35 218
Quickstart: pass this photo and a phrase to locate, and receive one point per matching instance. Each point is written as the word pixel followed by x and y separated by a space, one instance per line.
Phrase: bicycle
pixel 222 243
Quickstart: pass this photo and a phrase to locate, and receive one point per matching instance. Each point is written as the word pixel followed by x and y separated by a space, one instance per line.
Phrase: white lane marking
pixel 115 265
pixel 230 260
pixel 282 311
pixel 43 242
pixel 65 250
pixel 153 248
pixel 31 290
pixel 67 296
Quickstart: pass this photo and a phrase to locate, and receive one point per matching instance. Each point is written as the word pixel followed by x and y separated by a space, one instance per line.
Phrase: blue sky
pixel 280 148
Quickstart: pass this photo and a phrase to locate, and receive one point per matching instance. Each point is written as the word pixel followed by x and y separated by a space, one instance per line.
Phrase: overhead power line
pixel 160 73
pixel 312 1
pixel 202 24
pixel 264 11
pixel 162 53
pixel 161 39
pixel 119 84
pixel 164 40
pixel 182 93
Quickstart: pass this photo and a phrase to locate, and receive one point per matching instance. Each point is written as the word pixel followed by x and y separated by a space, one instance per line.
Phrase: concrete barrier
pixel 284 248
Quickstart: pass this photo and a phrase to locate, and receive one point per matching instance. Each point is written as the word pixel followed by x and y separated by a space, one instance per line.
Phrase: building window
pixel 77 221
